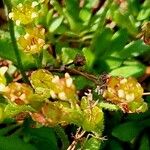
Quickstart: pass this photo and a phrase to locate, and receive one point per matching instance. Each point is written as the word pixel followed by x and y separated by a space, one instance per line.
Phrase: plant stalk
pixel 14 43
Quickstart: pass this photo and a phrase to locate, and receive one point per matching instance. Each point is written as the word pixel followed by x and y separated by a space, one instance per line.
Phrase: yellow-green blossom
pixel 18 93
pixel 126 93
pixel 33 41
pixel 24 13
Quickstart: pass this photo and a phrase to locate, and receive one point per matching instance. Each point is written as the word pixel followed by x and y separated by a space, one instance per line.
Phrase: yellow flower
pixel 24 13
pixel 33 41
pixel 55 87
pixel 126 93
pixel 18 93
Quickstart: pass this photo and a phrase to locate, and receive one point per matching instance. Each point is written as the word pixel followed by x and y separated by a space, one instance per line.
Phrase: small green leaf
pixel 85 15
pixel 93 118
pixel 127 71
pixel 81 82
pixel 144 14
pixel 100 44
pixel 134 48
pixel 68 55
pixel 75 25
pixel 134 6
pixel 125 21
pixel 16 2
pixel 6 50
pixel 111 63
pixel 89 56
pixel 71 12
pixel 117 43
pixel 49 17
pixel 41 81
pixel 55 24
pixel 108 106
pixel 12 109
pixel 72 7
pixel 92 144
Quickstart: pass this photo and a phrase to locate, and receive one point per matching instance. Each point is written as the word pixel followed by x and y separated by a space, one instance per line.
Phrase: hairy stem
pixel 76 72
pixel 79 134
pixel 14 43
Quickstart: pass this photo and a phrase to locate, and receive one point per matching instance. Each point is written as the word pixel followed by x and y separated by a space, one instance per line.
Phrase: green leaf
pixel 89 56
pixel 138 117
pixel 93 118
pixel 41 81
pixel 134 48
pixel 81 82
pixel 118 41
pixel 92 144
pixel 6 50
pixel 100 44
pixel 108 106
pixel 144 14
pixel 13 142
pixel 91 3
pixel 131 62
pixel 75 25
pixel 49 17
pixel 127 71
pixel 55 24
pixel 71 12
pixel 134 7
pixel 85 15
pixel 125 21
pixel 72 7
pixel 68 55
pixel 12 109
pixel 27 61
pixel 42 138
pixel 111 63
pixel 127 131
pixel 145 11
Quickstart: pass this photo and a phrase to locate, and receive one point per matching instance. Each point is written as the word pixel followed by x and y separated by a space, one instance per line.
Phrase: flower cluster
pixel 19 93
pixel 126 93
pixel 33 41
pixel 61 98
pixel 52 95
pixel 52 86
pixel 24 13
pixel 65 101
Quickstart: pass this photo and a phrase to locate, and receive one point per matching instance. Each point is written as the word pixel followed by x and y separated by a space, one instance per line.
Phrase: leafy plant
pixel 53 55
